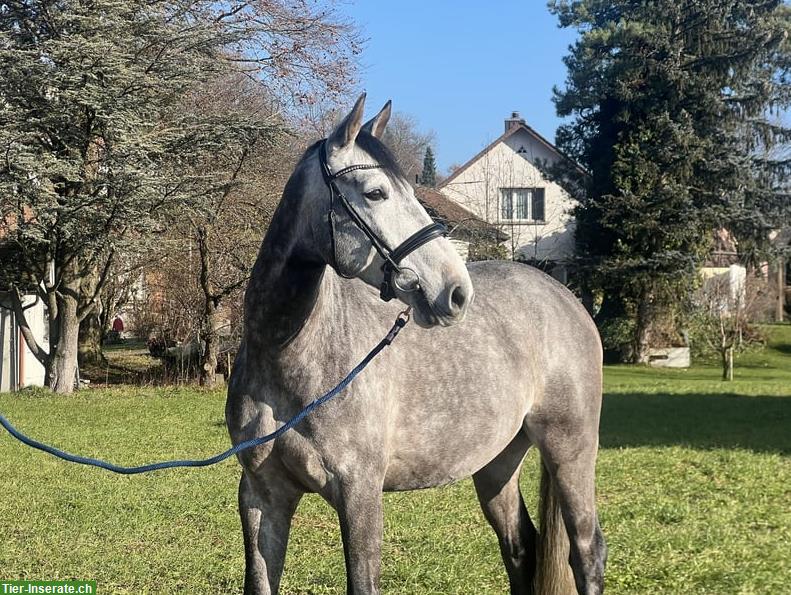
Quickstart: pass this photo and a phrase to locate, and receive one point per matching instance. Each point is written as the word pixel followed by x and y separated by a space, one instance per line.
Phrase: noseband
pixel 392 257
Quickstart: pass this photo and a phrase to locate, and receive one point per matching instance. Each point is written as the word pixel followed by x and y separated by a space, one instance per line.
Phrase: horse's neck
pixel 291 294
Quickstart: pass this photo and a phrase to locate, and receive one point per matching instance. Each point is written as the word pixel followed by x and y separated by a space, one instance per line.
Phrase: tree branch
pixel 85 310
pixel 19 311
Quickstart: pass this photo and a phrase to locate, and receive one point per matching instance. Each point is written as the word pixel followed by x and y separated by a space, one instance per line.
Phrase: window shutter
pixel 538 204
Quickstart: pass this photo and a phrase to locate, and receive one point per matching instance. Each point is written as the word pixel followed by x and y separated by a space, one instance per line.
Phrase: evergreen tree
pixel 669 101
pixel 408 143
pixel 429 175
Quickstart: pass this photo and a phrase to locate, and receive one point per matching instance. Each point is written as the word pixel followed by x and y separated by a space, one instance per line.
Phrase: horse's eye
pixel 376 194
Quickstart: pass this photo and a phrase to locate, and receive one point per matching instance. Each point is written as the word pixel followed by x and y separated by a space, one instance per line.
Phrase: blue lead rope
pixel 400 322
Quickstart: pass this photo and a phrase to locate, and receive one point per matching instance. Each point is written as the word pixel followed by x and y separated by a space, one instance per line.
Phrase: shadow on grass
pixel 697 420
pixel 126 362
pixel 784 348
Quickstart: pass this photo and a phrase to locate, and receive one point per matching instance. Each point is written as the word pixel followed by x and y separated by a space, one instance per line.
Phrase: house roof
pixel 464 224
pixel 510 132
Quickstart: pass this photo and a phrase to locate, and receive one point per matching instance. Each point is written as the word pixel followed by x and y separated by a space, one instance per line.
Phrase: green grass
pixel 693 477
pixel 126 362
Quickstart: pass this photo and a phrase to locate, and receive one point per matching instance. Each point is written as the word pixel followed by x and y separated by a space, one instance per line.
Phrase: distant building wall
pixel 510 164
pixel 18 366
pixel 462 247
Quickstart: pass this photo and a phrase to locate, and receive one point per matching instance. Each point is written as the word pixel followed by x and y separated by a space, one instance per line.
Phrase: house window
pixel 506 204
pixel 522 204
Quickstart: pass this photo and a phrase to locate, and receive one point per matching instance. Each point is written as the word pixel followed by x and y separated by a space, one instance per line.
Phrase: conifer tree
pixel 429 175
pixel 670 104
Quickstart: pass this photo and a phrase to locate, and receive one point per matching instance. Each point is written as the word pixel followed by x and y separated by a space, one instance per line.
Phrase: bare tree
pixel 727 308
pixel 95 325
pixel 408 143
pixel 232 198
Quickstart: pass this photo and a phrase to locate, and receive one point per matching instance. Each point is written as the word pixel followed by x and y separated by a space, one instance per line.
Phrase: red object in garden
pixel 118 325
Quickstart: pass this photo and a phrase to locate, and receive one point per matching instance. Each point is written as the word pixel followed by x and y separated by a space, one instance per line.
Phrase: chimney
pixel 514 121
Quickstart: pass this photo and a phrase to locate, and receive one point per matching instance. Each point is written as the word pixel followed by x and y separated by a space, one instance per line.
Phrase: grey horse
pixel 463 392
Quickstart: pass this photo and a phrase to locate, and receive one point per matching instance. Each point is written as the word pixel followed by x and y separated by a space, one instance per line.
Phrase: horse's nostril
pixel 458 299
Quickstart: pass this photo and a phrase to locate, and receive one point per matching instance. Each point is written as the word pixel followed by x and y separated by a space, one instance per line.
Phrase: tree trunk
pixel 587 299
pixel 616 350
pixel 781 283
pixel 642 325
pixel 90 342
pixel 727 364
pixel 70 303
pixel 208 364
pixel 211 347
pixel 62 372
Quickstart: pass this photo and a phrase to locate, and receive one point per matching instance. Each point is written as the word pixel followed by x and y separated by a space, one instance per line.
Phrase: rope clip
pixel 401 320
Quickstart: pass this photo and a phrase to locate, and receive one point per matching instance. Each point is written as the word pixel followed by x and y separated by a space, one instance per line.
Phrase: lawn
pixel 694 481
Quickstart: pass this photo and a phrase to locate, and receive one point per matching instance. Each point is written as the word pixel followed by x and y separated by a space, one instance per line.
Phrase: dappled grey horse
pixel 448 400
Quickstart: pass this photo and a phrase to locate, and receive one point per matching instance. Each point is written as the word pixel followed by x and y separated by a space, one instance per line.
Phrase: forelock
pixel 376 150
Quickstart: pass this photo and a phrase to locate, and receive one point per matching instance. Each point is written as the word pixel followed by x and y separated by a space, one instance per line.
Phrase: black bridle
pixel 392 257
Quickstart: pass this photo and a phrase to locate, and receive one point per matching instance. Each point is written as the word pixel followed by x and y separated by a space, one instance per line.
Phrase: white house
pixel 464 227
pixel 18 366
pixel 504 186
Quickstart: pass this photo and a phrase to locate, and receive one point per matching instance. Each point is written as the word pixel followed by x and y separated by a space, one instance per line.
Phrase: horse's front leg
pixel 266 509
pixel 359 506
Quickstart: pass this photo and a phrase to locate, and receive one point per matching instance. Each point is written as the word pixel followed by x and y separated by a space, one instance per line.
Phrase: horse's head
pixel 379 232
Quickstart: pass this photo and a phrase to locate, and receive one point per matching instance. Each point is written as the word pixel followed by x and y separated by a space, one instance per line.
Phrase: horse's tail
pixel 553 572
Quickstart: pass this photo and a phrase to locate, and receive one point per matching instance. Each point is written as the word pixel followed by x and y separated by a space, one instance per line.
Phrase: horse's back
pixel 538 307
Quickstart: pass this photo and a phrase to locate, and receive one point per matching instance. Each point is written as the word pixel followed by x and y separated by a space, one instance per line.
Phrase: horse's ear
pixel 376 125
pixel 346 133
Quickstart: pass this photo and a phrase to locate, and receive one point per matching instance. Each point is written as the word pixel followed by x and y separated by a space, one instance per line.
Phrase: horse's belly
pixel 448 447
pixel 411 470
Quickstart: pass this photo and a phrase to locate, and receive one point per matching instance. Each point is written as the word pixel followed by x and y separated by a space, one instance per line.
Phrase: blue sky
pixel 462 67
